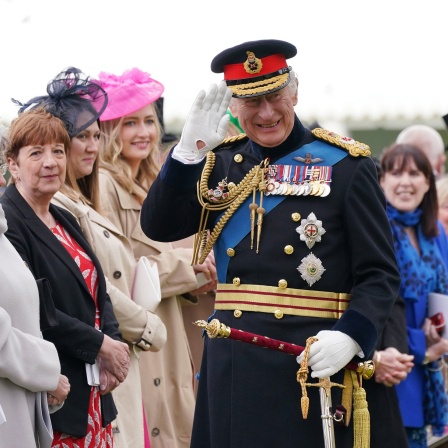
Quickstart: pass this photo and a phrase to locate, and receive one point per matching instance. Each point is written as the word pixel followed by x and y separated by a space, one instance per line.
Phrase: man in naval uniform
pixel 297 222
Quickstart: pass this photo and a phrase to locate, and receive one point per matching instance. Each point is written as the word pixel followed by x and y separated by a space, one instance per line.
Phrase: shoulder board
pixel 353 147
pixel 229 141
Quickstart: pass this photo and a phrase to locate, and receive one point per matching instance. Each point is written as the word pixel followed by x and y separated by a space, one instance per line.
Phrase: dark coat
pixel 386 424
pixel 248 396
pixel 75 337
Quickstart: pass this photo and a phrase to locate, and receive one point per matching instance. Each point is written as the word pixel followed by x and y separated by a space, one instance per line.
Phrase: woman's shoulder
pixel 104 173
pixel 77 208
pixel 107 181
pixel 111 187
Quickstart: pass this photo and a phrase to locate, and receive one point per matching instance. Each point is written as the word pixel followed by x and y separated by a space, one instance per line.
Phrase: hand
pixel 431 334
pixel 204 289
pixel 206 125
pixel 330 353
pixel 437 350
pixel 392 366
pixel 114 357
pixel 58 396
pixel 209 270
pixel 108 382
pixel 436 345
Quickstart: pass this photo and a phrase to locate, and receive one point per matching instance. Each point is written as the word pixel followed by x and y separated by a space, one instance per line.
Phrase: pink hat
pixel 128 93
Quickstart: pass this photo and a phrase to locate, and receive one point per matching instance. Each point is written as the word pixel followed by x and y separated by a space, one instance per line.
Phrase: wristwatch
pixel 426 358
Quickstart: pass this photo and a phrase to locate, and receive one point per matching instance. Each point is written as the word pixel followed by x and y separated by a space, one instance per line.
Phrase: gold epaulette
pixel 353 147
pixel 230 140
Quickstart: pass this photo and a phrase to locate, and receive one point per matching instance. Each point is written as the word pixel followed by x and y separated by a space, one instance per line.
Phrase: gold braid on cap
pixel 253 181
pixel 266 85
pixel 353 147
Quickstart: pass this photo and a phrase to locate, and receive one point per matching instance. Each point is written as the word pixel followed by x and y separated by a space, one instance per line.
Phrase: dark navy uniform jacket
pixel 249 396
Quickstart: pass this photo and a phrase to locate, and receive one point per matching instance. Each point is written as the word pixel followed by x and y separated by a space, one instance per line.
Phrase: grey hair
pixel 293 82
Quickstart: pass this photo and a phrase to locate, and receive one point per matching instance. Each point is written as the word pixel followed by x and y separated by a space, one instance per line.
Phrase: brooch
pixel 310 230
pixel 219 193
pixel 311 269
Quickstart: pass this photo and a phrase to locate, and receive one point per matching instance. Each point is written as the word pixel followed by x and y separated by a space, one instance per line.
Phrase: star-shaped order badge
pixel 310 230
pixel 311 269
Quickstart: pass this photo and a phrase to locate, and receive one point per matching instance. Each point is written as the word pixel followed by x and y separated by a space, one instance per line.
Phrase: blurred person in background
pixel 442 197
pixel 408 181
pixel 429 141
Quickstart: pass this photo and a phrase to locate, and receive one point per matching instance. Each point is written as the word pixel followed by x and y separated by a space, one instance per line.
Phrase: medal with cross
pixel 310 230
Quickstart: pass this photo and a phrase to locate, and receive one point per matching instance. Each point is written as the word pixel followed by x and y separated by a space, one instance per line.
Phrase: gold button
pixel 282 283
pixel 236 281
pixel 230 252
pixel 278 314
pixel 289 249
pixel 238 158
pixel 296 217
pixel 237 313
pixel 231 185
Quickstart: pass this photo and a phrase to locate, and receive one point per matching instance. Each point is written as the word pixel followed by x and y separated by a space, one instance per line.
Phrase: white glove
pixel 206 125
pixel 330 353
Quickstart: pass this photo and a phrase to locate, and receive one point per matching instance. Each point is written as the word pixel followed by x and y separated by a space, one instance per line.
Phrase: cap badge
pixel 311 269
pixel 252 65
pixel 310 230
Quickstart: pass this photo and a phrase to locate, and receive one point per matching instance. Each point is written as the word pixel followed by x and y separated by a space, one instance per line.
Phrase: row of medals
pixel 285 188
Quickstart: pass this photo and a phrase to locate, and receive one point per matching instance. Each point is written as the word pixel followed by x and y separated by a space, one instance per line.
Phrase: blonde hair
pixel 111 147
pixel 85 189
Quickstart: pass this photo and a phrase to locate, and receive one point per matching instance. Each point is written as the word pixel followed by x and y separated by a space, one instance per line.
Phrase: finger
pixel 316 356
pixel 223 126
pixel 226 100
pixel 211 256
pixel 325 373
pixel 197 105
pixel 210 98
pixel 223 98
pixel 104 381
pixel 211 274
